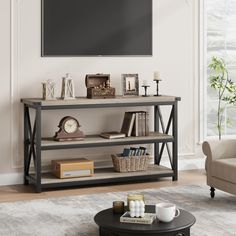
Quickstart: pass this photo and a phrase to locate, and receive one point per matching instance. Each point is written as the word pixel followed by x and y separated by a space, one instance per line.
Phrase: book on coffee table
pixel 147 219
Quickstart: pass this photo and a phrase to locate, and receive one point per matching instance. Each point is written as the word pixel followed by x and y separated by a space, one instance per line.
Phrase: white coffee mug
pixel 166 212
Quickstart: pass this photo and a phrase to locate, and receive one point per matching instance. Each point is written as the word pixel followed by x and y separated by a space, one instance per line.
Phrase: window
pixel 221 41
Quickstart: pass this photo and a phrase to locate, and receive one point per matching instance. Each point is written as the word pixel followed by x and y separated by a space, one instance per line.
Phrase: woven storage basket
pixel 131 163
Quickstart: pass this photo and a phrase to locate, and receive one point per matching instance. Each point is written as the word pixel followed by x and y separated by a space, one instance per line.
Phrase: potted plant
pixel 225 87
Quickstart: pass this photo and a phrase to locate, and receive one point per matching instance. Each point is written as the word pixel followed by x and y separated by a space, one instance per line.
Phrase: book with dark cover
pixel 142 150
pixel 112 134
pixel 133 151
pixel 128 123
pixel 126 152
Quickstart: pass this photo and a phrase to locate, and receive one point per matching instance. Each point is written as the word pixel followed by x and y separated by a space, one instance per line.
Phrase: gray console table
pixel 34 143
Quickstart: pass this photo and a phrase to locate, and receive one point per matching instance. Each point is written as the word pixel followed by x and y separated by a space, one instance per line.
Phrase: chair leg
pixel 212 192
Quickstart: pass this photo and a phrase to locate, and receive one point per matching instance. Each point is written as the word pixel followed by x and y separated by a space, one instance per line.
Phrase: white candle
pixel 145 83
pixel 157 76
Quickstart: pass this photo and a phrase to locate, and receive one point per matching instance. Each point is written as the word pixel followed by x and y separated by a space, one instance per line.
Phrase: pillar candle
pixel 145 83
pixel 118 207
pixel 133 197
pixel 157 75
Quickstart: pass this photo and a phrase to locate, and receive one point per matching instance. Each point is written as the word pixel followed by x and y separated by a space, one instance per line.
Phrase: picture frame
pixel 130 84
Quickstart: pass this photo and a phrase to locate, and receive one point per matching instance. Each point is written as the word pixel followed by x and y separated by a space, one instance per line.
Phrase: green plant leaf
pixel 226 89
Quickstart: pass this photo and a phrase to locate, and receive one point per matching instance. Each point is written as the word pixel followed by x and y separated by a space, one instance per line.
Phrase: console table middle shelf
pixel 163 135
pixel 97 141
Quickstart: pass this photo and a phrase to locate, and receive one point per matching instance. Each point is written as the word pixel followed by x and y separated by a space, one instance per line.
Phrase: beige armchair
pixel 220 165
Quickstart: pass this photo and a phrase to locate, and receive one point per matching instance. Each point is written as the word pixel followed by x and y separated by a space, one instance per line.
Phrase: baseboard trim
pixel 188 164
pixel 183 164
pixel 192 164
pixel 11 179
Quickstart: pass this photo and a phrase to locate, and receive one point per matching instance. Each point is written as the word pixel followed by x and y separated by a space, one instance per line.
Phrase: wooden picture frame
pixel 130 84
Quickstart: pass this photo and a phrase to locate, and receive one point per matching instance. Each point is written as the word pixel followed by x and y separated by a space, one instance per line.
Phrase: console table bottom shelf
pixel 104 175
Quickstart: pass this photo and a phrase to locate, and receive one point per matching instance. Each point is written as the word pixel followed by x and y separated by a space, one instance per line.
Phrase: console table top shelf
pixel 83 102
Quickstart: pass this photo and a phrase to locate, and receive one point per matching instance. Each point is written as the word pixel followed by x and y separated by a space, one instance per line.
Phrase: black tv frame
pixel 81 55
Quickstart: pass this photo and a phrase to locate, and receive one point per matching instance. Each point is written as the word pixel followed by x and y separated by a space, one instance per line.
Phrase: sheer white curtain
pixel 221 41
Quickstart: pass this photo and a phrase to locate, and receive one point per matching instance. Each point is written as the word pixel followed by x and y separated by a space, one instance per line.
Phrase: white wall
pixel 173 55
pixel 5 98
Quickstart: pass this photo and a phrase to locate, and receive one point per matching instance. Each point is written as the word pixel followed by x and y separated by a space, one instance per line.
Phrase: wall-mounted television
pixel 96 28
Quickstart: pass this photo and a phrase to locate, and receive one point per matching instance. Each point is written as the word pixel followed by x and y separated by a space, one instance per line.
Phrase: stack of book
pixel 147 219
pixel 133 151
pixel 135 123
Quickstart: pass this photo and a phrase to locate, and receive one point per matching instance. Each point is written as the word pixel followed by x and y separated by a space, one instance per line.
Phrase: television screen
pixel 96 27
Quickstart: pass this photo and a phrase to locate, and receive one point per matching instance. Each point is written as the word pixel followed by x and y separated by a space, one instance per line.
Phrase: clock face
pixel 70 126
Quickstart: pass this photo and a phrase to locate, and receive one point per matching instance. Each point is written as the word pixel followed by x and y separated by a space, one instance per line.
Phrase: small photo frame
pixel 130 84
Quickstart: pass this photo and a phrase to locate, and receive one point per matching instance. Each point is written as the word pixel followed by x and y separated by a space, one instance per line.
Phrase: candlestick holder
pixel 157 82
pixel 145 90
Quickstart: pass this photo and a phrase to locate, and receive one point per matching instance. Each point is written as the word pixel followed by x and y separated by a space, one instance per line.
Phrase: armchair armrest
pixel 219 149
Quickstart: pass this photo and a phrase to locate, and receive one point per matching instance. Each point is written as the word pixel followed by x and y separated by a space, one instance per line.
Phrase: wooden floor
pixel 21 192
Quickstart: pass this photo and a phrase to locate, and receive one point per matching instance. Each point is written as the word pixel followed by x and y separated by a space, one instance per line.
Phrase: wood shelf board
pixel 107 173
pixel 85 101
pixel 97 140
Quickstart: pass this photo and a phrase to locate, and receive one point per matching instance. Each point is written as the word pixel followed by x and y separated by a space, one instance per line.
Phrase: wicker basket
pixel 129 164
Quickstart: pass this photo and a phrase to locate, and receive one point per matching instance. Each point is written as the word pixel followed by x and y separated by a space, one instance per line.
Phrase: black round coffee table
pixel 110 225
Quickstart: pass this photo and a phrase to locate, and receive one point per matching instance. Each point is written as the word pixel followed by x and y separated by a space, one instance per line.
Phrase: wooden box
pixel 98 86
pixel 71 168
